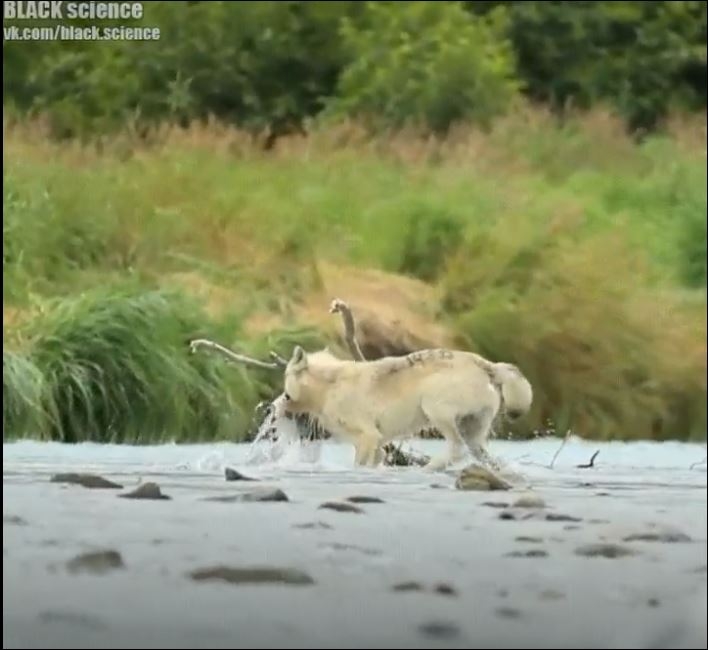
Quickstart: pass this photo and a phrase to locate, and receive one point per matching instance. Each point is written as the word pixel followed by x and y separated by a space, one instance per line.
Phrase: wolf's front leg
pixel 484 457
pixel 368 451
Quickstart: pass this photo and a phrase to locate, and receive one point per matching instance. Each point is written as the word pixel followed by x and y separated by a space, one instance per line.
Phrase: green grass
pixel 568 249
pixel 113 365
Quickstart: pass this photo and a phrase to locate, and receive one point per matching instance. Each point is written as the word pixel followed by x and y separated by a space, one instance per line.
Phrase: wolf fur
pixel 370 403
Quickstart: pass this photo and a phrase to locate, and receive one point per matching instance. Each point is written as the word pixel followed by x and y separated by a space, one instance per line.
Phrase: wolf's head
pixel 296 379
pixel 516 390
pixel 307 378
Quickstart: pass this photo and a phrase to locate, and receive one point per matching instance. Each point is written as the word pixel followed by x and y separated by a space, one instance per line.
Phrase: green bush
pixel 257 64
pixel 644 58
pixel 604 359
pixel 425 64
pixel 273 65
pixel 432 236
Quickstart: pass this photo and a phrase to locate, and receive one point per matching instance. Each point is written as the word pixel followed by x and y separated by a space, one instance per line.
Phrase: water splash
pixel 282 438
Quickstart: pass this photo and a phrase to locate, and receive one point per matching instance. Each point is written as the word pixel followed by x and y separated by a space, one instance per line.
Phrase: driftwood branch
pixel 698 463
pixel 589 464
pixel 339 306
pixel 558 451
pixel 230 354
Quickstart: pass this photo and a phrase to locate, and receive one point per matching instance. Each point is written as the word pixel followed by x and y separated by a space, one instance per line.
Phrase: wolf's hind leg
pixel 456 449
pixel 474 428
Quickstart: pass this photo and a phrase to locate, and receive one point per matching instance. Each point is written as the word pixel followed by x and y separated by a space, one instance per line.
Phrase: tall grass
pixel 567 248
pixel 114 365
pixel 23 397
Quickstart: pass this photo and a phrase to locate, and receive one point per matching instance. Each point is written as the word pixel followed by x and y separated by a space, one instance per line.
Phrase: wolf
pixel 370 403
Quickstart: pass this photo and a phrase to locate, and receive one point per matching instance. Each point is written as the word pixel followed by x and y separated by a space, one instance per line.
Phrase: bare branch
pixel 339 306
pixel 230 354
pixel 591 463
pixel 278 359
pixel 698 463
pixel 565 439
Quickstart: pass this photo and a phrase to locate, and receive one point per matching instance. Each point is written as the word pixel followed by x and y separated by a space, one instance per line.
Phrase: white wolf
pixel 369 403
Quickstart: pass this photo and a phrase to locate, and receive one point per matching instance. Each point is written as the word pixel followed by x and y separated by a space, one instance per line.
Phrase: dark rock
pixel 394 456
pixel 515 515
pixel 341 506
pixel 233 475
pixel 445 589
pixel 13 520
pixel 92 481
pixel 98 562
pixel 148 491
pixel 411 585
pixel 533 552
pixel 252 575
pixel 556 516
pixel 440 630
pixel 665 537
pixel 364 499
pixel 605 549
pixel 312 525
pixel 254 496
pixel 507 612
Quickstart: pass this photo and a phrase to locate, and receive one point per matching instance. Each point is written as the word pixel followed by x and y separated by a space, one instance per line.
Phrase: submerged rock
pixel 233 475
pixel 313 525
pixel 529 501
pixel 605 549
pixel 148 491
pixel 364 499
pixel 98 562
pixel 410 585
pixel 252 575
pixel 533 552
pixel 507 612
pixel 13 520
pixel 478 478
pixel 440 630
pixel 665 537
pixel 556 516
pixel 341 506
pixel 254 496
pixel 92 481
pixel 445 589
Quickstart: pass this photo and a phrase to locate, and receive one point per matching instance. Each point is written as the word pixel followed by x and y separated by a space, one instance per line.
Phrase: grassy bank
pixel 571 250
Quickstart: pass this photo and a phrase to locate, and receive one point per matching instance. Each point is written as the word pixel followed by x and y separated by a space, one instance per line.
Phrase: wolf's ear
pixel 299 357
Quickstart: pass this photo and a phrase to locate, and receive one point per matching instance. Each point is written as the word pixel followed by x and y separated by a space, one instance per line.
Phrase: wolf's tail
pixel 515 389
